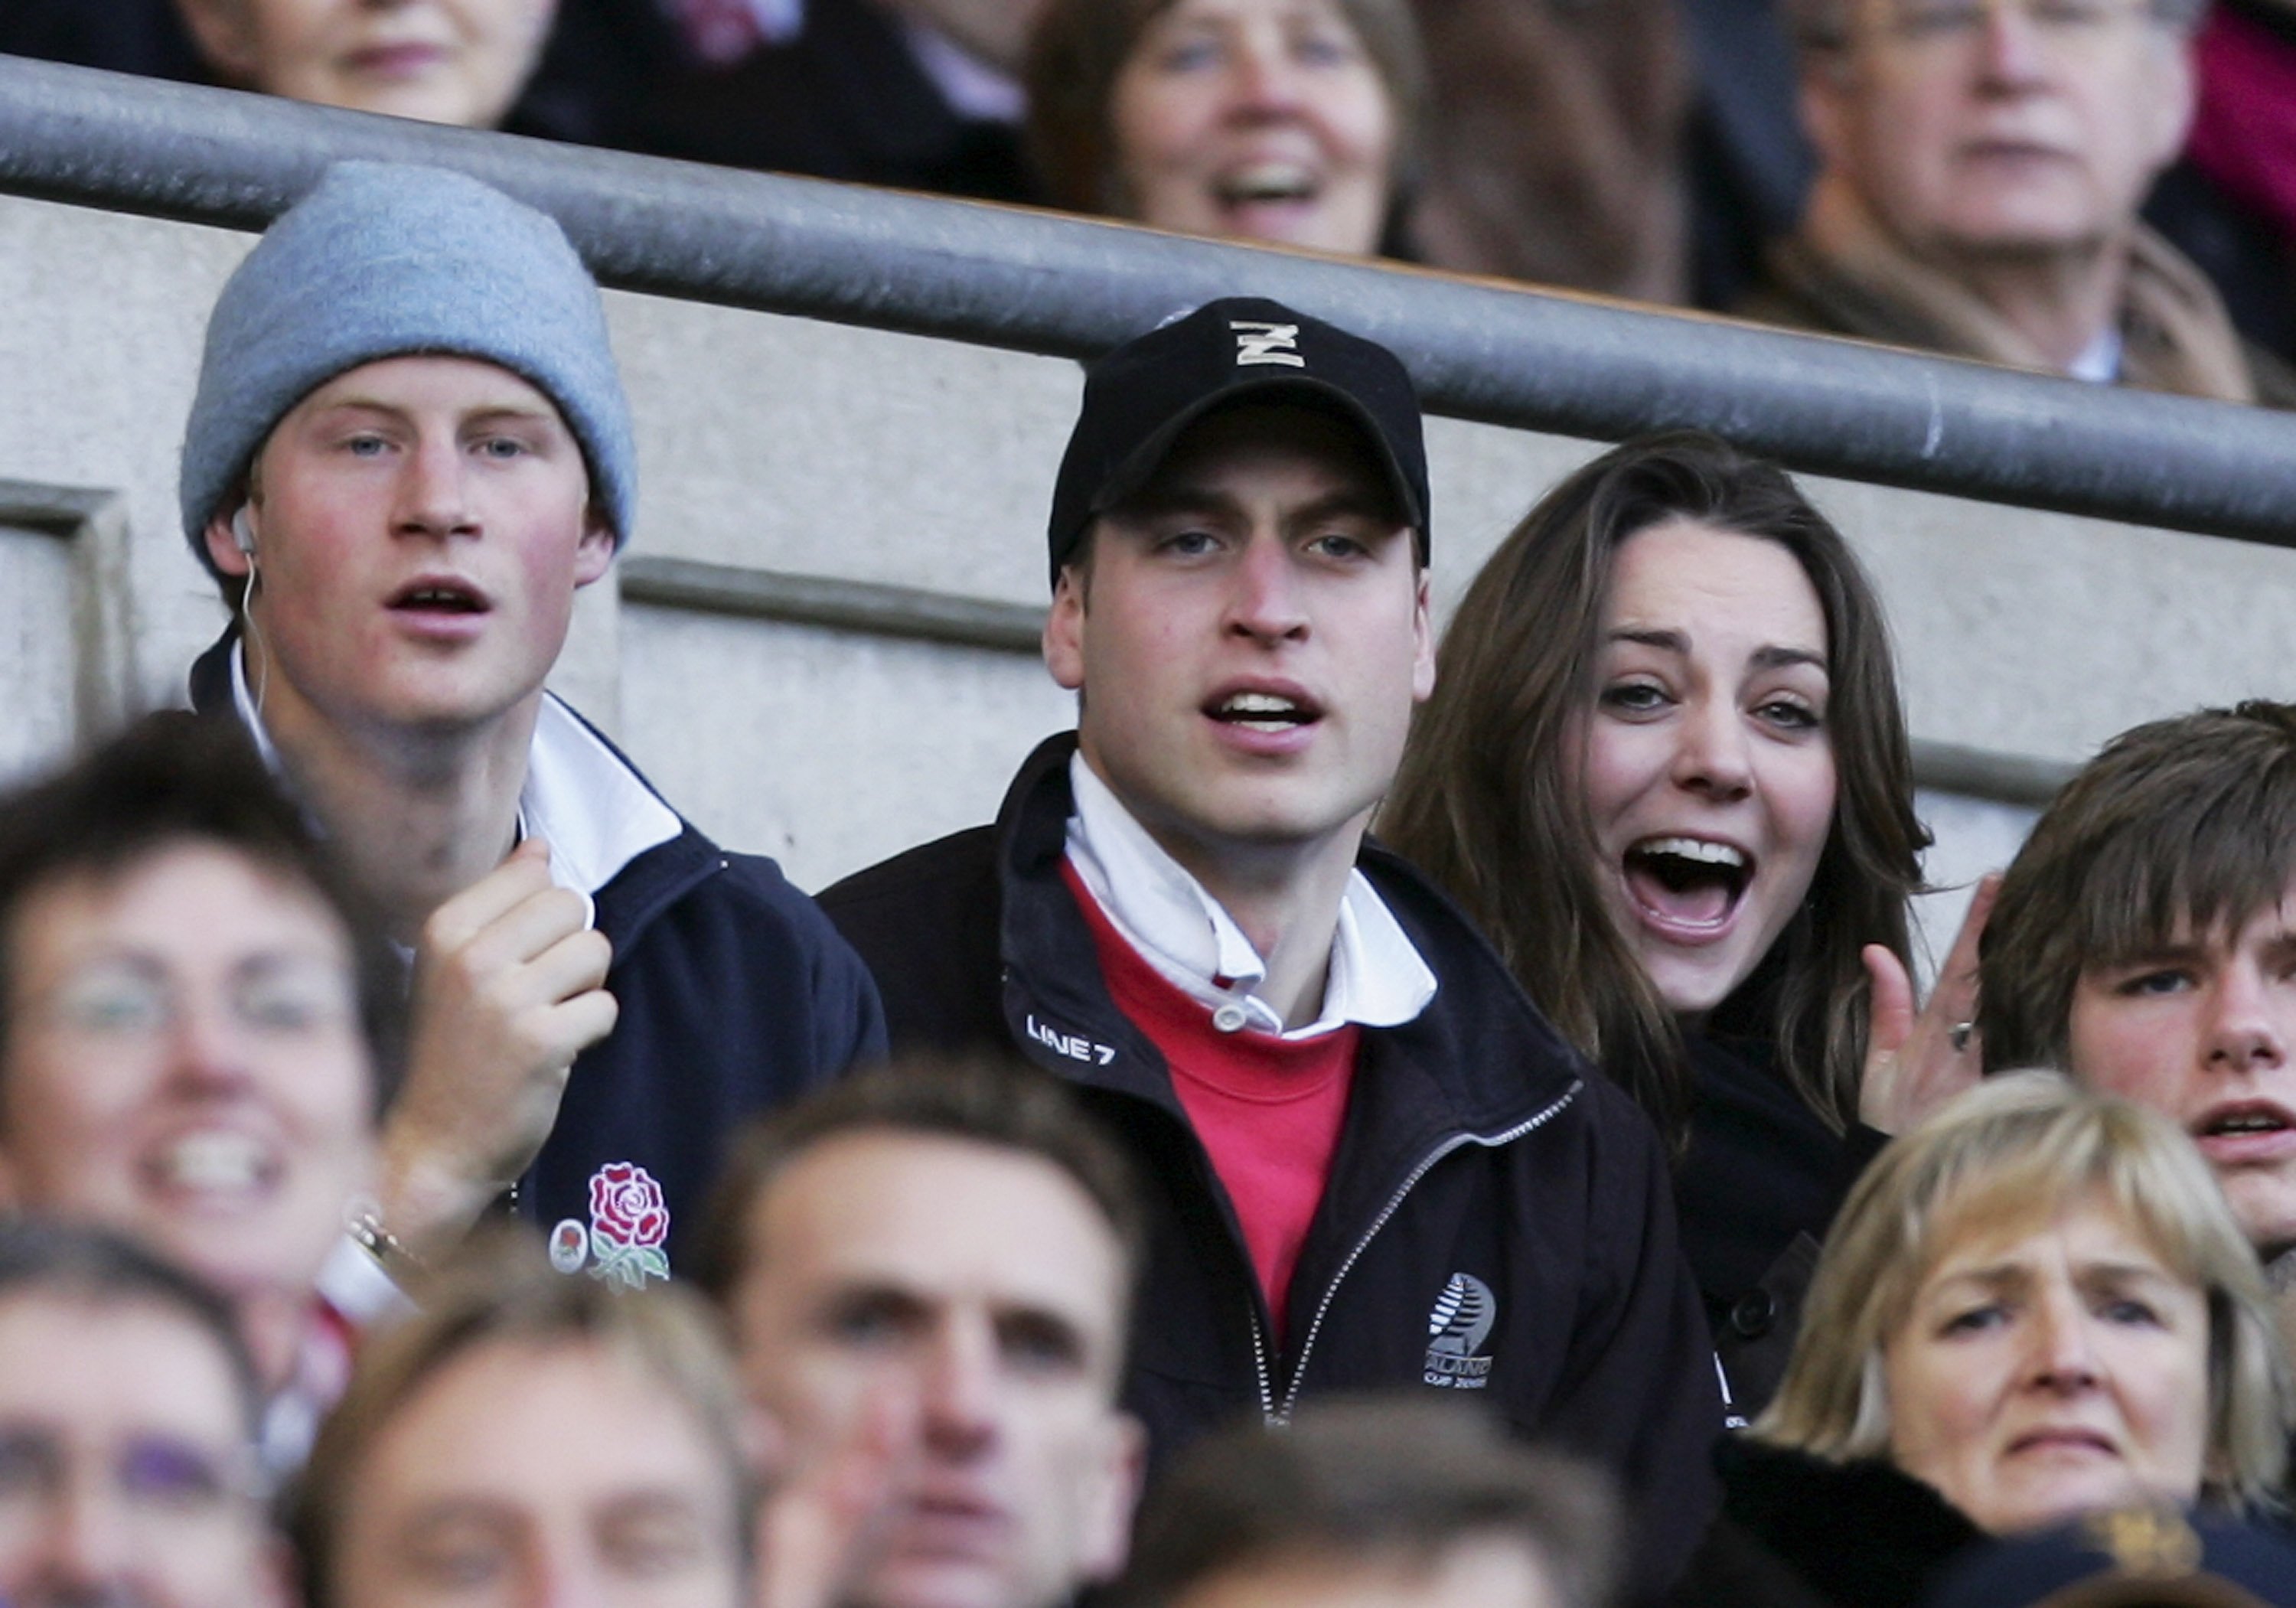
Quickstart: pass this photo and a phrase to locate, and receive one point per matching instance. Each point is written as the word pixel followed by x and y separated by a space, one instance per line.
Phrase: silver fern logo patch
pixel 1456 1329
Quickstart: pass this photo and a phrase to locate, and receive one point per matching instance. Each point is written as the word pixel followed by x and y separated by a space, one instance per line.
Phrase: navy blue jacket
pixel 1498 1224
pixel 736 996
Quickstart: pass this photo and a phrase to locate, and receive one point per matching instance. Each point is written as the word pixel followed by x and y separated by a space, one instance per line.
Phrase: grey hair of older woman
pixel 2021 1148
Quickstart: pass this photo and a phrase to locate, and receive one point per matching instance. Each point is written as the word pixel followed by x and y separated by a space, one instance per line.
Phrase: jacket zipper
pixel 1259 1362
pixel 1278 1417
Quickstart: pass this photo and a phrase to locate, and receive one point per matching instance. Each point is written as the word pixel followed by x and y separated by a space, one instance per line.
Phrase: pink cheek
pixel 1617 773
pixel 1156 642
pixel 1805 799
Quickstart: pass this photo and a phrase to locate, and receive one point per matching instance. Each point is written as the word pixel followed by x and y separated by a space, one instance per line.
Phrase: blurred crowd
pixel 2102 188
pixel 434 1171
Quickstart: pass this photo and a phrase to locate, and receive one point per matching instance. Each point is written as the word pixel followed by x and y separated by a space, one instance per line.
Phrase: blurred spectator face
pixel 986 1285
pixel 1497 1572
pixel 1259 119
pixel 2001 127
pixel 564 1472
pixel 2052 1370
pixel 2203 1031
pixel 1710 769
pixel 441 61
pixel 126 1476
pixel 184 1063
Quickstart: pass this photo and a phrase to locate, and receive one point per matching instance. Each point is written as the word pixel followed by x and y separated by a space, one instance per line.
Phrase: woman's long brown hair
pixel 1487 800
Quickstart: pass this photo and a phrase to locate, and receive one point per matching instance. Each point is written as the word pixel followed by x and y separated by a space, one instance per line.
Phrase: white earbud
pixel 243 531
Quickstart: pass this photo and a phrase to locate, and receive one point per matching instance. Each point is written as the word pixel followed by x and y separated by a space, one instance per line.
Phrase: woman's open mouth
pixel 1267 183
pixel 1687 886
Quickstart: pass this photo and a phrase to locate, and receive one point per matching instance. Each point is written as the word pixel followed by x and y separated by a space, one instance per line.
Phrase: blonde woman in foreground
pixel 2035 1304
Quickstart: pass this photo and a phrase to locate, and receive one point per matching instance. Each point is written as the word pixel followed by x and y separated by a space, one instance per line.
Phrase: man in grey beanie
pixel 409 449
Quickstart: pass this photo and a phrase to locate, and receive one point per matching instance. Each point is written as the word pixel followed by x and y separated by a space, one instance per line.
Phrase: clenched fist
pixel 508 990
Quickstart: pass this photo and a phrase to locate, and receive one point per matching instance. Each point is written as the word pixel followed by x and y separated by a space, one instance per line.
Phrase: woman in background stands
pixel 461 61
pixel 1541 140
pixel 1285 121
pixel 1665 767
pixel 559 70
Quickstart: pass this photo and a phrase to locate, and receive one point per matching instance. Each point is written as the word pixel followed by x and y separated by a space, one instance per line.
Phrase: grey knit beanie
pixel 385 259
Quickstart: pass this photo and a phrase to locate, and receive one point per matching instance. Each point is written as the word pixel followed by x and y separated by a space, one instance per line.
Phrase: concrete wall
pixel 805 454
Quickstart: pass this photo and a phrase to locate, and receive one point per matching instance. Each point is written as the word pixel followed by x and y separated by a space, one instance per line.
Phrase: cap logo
pixel 1257 341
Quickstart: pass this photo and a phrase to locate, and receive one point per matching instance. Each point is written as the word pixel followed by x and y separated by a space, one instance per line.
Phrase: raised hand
pixel 820 1525
pixel 1917 1060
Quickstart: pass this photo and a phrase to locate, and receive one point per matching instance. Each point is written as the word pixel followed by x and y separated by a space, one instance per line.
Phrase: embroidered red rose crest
pixel 628 1223
pixel 625 1205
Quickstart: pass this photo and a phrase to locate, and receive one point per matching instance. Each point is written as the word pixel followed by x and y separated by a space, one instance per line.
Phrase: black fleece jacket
pixel 1797 1532
pixel 1499 1220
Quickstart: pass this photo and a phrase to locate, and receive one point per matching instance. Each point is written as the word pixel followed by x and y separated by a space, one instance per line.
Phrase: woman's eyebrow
pixel 1991 1277
pixel 1656 637
pixel 2113 1274
pixel 1668 640
pixel 1775 657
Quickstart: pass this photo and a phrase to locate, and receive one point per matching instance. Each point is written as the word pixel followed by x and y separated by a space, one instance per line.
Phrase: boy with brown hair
pixel 2144 941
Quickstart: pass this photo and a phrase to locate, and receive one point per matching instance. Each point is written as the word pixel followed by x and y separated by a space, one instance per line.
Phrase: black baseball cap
pixel 1139 397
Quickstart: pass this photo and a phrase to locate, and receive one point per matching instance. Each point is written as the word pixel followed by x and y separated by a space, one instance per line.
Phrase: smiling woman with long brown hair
pixel 1666 768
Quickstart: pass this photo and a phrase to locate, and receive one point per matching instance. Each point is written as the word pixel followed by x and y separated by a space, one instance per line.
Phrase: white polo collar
pixel 1377 978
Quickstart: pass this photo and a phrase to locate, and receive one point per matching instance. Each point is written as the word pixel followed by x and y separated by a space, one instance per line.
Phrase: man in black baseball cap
pixel 1376 1162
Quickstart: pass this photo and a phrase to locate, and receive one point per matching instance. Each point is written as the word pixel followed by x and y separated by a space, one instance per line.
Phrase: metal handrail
pixel 1041 282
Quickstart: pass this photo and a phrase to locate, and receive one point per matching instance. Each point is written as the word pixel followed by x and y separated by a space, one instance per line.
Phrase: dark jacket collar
pixel 210 677
pixel 1859 1532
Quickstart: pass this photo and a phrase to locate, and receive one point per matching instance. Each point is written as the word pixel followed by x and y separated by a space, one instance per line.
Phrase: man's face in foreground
pixel 525 1472
pixel 984 1285
pixel 126 1476
pixel 1250 637
pixel 186 1062
pixel 2202 1030
pixel 1474 1571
